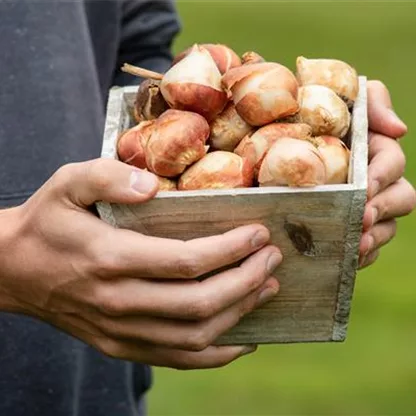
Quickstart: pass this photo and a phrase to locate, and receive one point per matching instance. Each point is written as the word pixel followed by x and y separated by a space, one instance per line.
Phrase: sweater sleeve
pixel 148 28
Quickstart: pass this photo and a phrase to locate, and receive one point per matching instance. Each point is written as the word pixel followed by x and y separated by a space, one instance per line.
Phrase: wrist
pixel 9 236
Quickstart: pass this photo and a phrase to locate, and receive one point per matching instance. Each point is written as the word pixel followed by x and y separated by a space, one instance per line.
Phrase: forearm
pixel 148 28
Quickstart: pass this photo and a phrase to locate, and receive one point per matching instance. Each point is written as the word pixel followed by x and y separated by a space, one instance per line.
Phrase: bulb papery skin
pixel 166 184
pixel 131 144
pixel 224 57
pixel 177 139
pixel 228 129
pixel 252 57
pixel 336 156
pixel 194 84
pixel 254 146
pixel 217 170
pixel 149 103
pixel 292 162
pixel 262 92
pixel 323 110
pixel 332 73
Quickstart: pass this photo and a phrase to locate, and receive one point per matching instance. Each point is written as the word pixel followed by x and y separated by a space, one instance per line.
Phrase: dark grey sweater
pixel 58 60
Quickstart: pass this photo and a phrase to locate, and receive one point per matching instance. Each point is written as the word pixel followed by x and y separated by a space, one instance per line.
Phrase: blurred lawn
pixel 374 371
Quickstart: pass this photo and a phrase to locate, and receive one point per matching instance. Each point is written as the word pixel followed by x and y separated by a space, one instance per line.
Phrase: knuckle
pixel 108 301
pixel 412 198
pixel 104 262
pixel 201 308
pixel 110 348
pixel 187 265
pixel 64 175
pixel 97 175
pixel 198 340
pixel 378 84
pixel 106 329
pixel 401 162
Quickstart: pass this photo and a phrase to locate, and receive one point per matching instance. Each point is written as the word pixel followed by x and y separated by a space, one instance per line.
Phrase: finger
pixel 397 200
pixel 211 357
pixel 381 117
pixel 377 236
pixel 369 259
pixel 387 163
pixel 150 354
pixel 190 300
pixel 187 335
pixel 103 180
pixel 129 254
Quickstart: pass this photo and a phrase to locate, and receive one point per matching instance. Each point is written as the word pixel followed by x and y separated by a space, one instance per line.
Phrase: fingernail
pixel 374 215
pixel 260 239
pixel 362 261
pixel 266 295
pixel 272 262
pixel 374 188
pixel 248 349
pixel 142 181
pixel 397 119
pixel 370 240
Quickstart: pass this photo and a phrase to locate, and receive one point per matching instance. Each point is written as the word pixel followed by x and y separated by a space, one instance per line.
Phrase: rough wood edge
pixel 358 170
pixel 359 133
pixel 108 150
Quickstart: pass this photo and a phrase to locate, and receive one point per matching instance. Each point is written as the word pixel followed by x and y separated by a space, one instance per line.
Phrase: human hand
pixel 390 195
pixel 129 295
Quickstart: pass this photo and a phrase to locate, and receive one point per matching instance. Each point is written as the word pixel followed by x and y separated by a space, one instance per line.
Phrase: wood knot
pixel 301 238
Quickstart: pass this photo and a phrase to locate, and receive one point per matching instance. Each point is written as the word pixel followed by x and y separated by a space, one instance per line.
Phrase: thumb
pixel 104 180
pixel 381 116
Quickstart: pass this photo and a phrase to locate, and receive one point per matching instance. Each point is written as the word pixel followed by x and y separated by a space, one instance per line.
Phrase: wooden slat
pixel 358 178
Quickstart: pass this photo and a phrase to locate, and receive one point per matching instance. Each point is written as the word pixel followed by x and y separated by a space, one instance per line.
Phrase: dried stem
pixel 141 72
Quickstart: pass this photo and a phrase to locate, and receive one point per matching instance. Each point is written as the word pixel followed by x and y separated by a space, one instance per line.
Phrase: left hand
pixel 390 195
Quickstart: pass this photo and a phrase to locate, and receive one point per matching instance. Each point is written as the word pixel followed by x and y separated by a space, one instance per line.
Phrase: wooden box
pixel 317 229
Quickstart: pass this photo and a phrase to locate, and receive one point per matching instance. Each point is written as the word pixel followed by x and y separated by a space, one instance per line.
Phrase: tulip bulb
pixel 332 73
pixel 166 184
pixel 224 57
pixel 323 110
pixel 262 92
pixel 251 57
pixel 149 103
pixel 254 146
pixel 194 84
pixel 217 170
pixel 292 162
pixel 336 157
pixel 228 129
pixel 131 144
pixel 176 140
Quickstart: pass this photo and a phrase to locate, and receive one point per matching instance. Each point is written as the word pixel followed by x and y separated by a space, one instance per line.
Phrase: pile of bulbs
pixel 215 120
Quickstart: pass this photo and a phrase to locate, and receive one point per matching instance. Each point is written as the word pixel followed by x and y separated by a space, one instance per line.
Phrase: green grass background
pixel 374 371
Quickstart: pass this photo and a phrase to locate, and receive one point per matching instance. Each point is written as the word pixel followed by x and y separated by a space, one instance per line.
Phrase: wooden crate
pixel 318 231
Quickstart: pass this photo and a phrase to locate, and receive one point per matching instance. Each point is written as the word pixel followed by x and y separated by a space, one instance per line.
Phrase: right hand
pixel 131 296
